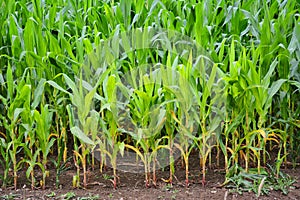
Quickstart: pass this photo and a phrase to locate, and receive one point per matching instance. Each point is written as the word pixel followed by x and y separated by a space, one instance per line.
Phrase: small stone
pixel 189 193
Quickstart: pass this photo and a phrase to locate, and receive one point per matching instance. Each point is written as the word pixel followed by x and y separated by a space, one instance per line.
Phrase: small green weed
pixel 9 196
pixel 52 194
pixel 90 197
pixel 68 196
pixel 107 177
pixel 260 184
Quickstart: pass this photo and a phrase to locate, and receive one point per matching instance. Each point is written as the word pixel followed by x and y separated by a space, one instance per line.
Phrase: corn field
pixel 93 81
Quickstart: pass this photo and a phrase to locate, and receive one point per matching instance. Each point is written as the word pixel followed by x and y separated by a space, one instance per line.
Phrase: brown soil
pixel 132 186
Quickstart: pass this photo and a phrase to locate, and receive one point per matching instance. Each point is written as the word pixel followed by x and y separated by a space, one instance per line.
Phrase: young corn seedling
pixel 33 161
pixel 46 139
pixel 83 128
pixel 5 163
pixel 29 124
pixel 184 142
pixel 18 97
pixel 62 160
pixel 147 115
pixel 111 132
pixel 185 117
pixel 147 145
pixel 170 78
pixel 111 151
pixel 209 118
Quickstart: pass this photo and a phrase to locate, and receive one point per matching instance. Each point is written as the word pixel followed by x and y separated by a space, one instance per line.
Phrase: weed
pixel 68 195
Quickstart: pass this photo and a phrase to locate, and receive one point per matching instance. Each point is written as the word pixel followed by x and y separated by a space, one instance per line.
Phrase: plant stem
pixel 84 167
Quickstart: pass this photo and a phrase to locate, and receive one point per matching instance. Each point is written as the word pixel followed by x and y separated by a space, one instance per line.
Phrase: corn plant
pixel 147 115
pixel 82 102
pixel 210 105
pixel 61 137
pixel 45 138
pixel 111 132
pixel 18 97
pixel 255 48
pixel 32 161
pixel 6 162
pixel 169 77
pixel 145 139
pixel 32 152
pixel 185 120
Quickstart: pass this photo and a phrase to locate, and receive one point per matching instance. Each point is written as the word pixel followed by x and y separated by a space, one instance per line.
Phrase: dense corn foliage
pixel 46 103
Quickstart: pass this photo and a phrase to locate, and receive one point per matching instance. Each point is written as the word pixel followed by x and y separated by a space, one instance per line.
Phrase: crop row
pixel 153 79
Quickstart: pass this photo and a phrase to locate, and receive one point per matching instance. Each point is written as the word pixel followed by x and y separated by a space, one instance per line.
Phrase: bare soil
pixel 132 186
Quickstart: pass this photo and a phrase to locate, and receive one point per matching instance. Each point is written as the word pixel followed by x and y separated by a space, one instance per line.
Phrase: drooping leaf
pixel 76 131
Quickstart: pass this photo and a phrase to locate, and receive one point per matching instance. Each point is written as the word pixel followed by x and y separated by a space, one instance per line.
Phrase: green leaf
pixel 71 84
pixel 17 112
pixel 273 90
pixel 121 148
pixel 55 85
pixel 10 82
pixel 38 93
pixel 80 135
